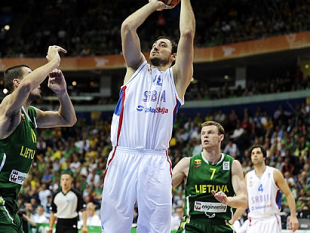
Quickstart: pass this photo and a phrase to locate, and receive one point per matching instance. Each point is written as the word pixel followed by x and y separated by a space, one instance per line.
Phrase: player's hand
pixel 53 52
pixel 293 224
pixel 49 230
pixel 56 82
pixel 220 196
pixel 160 5
pixel 84 229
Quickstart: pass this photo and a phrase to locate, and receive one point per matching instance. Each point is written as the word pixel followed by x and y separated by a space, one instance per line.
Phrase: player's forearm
pixel 66 109
pixel 239 201
pixel 36 77
pixel 291 204
pixel 187 19
pixel 239 212
pixel 133 21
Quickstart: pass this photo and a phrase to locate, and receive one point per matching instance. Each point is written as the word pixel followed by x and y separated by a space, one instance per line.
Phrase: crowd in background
pixel 87 28
pixel 83 149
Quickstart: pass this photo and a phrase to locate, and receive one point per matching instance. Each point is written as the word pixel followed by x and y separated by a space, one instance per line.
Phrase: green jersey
pixel 202 178
pixel 16 154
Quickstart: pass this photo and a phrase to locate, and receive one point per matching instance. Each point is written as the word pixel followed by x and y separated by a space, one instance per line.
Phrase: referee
pixel 65 206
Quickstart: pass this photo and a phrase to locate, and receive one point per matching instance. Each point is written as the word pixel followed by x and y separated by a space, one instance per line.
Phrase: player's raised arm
pixel 130 40
pixel 183 68
pixel 24 85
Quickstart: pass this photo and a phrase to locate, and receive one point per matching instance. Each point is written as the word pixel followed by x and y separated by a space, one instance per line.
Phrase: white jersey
pixel 146 109
pixel 263 194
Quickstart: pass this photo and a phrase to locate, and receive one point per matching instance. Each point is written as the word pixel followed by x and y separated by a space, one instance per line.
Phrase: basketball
pixel 171 2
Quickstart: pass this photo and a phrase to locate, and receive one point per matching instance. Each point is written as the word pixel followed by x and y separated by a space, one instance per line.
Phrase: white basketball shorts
pixel 271 224
pixel 142 175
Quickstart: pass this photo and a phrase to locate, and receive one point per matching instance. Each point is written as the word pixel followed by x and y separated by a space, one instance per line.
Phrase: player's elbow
pixel 126 27
pixel 244 202
pixel 188 33
pixel 72 121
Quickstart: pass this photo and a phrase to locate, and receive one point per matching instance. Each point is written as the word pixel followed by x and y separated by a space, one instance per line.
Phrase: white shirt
pixel 93 221
pixel 40 219
pixel 262 193
pixel 145 112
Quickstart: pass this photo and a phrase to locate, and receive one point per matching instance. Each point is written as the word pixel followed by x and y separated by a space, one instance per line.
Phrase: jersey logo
pixel 163 110
pixel 140 108
pixel 226 166
pixel 210 207
pixel 17 177
pixel 197 163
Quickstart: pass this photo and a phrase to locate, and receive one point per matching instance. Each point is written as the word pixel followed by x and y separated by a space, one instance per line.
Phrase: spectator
pixel 176 218
pixel 40 217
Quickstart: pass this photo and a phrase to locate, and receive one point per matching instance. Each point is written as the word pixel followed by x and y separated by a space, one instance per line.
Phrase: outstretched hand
pixel 56 81
pixel 220 196
pixel 160 5
pixel 53 52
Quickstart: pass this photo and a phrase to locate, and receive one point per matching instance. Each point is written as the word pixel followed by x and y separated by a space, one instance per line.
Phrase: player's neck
pixel 260 169
pixel 213 156
pixel 161 67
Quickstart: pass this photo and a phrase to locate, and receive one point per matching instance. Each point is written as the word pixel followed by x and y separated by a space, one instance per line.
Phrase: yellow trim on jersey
pixel 183 223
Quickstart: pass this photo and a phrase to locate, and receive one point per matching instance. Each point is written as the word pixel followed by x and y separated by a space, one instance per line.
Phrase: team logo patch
pixel 17 177
pixel 197 163
pixel 226 166
pixel 251 183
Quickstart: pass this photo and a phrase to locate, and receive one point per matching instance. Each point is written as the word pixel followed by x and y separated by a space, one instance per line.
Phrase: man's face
pixel 210 137
pixel 160 54
pixel 179 212
pixel 40 210
pixel 257 156
pixel 66 181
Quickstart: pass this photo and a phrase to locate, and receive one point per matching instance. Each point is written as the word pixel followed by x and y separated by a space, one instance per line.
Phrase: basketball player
pixel 214 184
pixel 18 128
pixel 263 185
pixel 138 166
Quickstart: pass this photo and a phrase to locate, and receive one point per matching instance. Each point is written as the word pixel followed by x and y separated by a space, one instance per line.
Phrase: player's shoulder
pixel 185 160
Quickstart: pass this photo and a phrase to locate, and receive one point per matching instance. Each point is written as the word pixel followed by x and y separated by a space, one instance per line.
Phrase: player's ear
pixel 174 56
pixel 221 137
pixel 16 82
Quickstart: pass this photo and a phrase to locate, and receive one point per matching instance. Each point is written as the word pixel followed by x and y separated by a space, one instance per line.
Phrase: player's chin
pixel 34 96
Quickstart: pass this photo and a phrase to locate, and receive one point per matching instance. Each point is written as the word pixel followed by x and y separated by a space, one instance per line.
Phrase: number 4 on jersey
pixel 260 188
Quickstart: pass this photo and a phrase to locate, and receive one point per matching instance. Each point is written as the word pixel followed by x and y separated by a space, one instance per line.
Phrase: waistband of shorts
pixel 140 151
pixel 211 221
pixel 265 217
pixel 67 221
